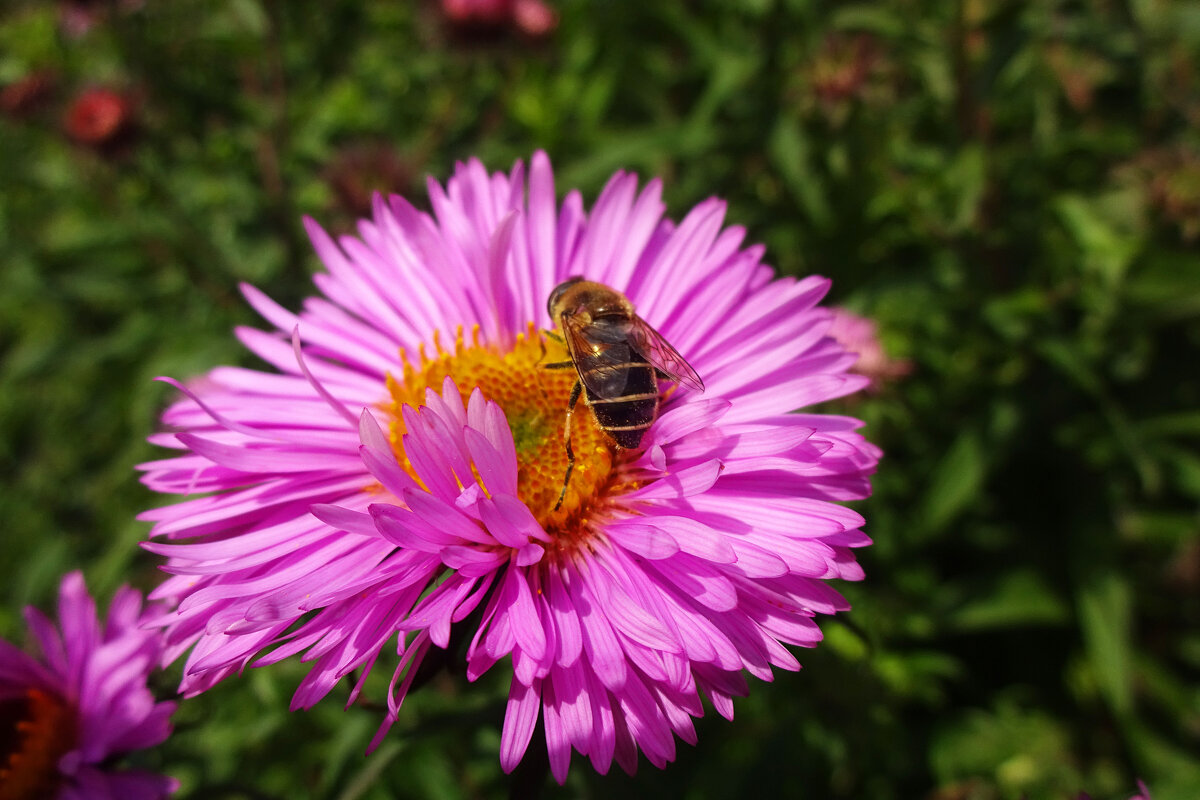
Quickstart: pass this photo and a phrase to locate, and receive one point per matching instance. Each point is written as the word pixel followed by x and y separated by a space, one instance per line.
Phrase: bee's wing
pixel 650 344
pixel 602 363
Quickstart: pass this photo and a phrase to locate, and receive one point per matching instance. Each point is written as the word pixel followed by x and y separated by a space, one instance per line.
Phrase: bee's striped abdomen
pixel 626 417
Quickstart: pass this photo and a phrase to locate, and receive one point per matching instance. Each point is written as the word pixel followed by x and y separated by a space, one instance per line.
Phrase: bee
pixel 619 359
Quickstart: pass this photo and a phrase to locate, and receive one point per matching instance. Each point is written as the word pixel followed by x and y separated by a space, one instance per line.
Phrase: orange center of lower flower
pixel 36 730
pixel 534 399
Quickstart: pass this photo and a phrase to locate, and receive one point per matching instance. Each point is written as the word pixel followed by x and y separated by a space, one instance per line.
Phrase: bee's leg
pixel 542 343
pixel 575 392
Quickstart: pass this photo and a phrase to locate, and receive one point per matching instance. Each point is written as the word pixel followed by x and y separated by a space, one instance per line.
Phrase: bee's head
pixel 558 292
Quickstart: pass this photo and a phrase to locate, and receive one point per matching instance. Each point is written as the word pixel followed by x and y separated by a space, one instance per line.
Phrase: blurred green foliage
pixel 1011 190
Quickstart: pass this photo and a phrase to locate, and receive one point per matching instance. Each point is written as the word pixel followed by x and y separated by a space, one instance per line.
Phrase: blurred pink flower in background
pixel 68 713
pixel 532 17
pixel 482 12
pixel 859 335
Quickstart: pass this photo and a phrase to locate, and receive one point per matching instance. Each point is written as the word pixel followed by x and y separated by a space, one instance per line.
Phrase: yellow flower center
pixel 36 730
pixel 534 399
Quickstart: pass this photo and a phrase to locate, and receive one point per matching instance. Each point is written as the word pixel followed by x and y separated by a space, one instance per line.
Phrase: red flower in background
pixel 100 117
pixel 477 12
pixel 531 17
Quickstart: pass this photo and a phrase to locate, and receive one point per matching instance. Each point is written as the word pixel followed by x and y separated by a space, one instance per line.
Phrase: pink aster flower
pixel 65 715
pixel 398 474
pixel 860 336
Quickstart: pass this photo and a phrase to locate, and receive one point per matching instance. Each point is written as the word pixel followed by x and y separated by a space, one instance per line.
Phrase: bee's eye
pixel 557 294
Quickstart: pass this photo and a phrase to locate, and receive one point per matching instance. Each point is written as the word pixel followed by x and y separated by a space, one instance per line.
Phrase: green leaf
pixel 790 152
pixel 1167 283
pixel 1020 598
pixel 1105 614
pixel 966 177
pixel 1023 751
pixel 871 17
pixel 955 483
pixel 1100 228
pixel 1182 423
pixel 369 773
